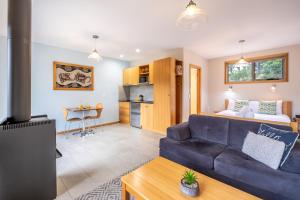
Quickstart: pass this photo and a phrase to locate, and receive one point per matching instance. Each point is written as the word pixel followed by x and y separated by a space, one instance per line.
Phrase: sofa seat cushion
pixel 238 166
pixel 199 151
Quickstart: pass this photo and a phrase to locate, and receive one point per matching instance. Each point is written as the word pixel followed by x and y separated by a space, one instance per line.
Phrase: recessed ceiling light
pixel 138 50
pixel 121 56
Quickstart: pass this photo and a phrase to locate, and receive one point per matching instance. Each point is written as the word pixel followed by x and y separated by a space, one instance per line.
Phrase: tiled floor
pixel 88 162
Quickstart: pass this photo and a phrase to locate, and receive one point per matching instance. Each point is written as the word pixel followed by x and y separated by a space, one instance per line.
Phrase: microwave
pixel 144 79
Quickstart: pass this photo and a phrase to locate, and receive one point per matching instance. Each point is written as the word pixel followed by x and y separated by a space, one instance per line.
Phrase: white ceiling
pixel 124 25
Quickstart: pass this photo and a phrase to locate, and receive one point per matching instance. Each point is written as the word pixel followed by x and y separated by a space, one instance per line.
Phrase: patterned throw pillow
pixel 288 137
pixel 267 107
pixel 239 104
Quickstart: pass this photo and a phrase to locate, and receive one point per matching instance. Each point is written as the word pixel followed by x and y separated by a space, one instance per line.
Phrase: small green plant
pixel 189 177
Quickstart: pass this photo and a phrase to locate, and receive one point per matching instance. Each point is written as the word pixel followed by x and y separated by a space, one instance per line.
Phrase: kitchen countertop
pixel 132 101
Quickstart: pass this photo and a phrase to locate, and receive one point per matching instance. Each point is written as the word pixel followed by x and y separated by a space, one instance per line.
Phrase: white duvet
pixel 275 118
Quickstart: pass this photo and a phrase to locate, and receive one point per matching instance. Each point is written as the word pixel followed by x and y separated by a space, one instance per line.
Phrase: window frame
pixel 260 58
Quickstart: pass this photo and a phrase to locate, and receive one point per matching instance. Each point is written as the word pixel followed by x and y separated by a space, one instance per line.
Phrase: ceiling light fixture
pixel 95 54
pixel 191 17
pixel 138 50
pixel 121 56
pixel 242 60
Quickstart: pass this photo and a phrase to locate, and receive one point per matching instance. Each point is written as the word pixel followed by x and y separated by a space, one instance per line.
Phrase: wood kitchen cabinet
pixel 131 76
pixel 151 80
pixel 164 109
pixel 124 112
pixel 147 116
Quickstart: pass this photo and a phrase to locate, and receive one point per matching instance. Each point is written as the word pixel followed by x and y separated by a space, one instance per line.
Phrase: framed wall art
pixel 72 76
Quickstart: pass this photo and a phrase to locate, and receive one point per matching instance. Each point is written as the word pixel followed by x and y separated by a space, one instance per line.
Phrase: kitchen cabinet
pixel 147 116
pixel 131 76
pixel 151 73
pixel 124 112
pixel 164 109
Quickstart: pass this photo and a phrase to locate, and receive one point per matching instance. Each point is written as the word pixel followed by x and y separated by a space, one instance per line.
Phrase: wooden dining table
pixel 83 131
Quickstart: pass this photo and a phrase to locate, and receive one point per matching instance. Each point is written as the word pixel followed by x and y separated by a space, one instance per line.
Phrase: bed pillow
pixel 288 137
pixel 264 149
pixel 279 107
pixel 267 107
pixel 239 104
pixel 230 104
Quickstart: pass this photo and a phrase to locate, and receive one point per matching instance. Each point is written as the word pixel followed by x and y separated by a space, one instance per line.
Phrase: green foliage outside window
pixel 258 70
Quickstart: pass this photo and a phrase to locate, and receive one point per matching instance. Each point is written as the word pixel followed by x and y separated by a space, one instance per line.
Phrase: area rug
pixel 108 191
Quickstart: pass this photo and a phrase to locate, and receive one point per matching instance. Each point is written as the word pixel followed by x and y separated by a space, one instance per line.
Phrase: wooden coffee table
pixel 160 179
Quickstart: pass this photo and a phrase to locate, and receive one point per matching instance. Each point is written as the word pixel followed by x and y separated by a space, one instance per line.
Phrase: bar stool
pixel 69 120
pixel 99 108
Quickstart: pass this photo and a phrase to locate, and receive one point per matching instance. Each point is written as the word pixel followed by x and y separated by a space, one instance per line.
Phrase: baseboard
pixel 95 126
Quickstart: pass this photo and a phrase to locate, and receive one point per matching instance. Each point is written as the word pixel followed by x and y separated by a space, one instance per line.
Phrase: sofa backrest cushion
pixel 214 129
pixel 238 130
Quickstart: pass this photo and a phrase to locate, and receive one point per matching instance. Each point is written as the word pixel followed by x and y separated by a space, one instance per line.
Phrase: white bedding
pixel 275 118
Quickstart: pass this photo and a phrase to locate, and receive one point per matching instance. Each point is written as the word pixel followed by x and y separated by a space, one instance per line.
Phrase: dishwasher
pixel 135 115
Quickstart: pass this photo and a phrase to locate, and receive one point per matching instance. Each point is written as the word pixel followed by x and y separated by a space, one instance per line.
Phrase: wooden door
pixel 164 94
pixel 147 116
pixel 195 89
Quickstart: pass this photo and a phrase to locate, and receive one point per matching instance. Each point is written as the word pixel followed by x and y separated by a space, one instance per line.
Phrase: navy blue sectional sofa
pixel 212 146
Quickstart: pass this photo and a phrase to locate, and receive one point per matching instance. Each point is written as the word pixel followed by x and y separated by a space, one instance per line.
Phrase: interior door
pixel 195 89
pixel 164 96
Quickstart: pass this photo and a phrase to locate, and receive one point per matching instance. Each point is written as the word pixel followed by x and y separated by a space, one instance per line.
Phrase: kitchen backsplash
pixel 145 90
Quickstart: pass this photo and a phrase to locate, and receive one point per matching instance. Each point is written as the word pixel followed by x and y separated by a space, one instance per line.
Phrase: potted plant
pixel 189 184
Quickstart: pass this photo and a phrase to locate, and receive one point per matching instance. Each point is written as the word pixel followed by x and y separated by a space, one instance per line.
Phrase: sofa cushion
pixel 238 130
pixel 179 132
pixel 264 149
pixel 199 151
pixel 288 137
pixel 238 166
pixel 213 129
pixel 292 163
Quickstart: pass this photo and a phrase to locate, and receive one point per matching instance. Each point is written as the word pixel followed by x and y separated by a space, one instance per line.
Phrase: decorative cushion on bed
pixel 230 104
pixel 264 149
pixel 239 104
pixel 267 107
pixel 279 107
pixel 288 137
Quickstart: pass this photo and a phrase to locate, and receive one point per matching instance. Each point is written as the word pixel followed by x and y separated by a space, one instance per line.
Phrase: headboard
pixel 286 107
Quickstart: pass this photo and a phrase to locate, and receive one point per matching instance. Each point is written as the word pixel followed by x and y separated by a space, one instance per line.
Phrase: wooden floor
pixel 89 162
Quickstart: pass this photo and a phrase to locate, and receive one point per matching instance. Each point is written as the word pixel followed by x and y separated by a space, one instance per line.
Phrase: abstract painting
pixel 72 76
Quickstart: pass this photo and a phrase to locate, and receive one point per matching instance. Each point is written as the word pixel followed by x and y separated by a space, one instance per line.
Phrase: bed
pixel 284 115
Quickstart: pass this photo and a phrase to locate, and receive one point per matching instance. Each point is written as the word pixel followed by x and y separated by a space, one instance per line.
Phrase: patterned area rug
pixel 108 191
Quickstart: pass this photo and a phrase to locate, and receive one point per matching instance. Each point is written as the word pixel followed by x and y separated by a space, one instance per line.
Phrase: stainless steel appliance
pixel 135 114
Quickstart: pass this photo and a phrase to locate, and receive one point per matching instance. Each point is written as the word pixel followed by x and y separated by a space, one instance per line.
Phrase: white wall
pixel 259 91
pixel 190 57
pixel 174 53
pixel 3 77
pixel 108 78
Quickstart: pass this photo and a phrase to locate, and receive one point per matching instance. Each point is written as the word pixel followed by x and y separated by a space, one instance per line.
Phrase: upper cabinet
pixel 131 76
pixel 138 75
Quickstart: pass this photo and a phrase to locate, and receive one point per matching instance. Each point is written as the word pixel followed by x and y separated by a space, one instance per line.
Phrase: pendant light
pixel 191 17
pixel 242 60
pixel 95 54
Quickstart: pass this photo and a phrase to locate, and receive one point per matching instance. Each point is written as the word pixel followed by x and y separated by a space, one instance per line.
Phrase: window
pixel 272 68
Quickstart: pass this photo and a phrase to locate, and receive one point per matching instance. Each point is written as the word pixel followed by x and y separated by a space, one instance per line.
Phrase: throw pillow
pixel 267 107
pixel 239 104
pixel 288 137
pixel 263 149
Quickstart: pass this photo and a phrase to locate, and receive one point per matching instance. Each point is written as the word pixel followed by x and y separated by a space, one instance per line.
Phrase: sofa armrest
pixel 292 164
pixel 179 132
